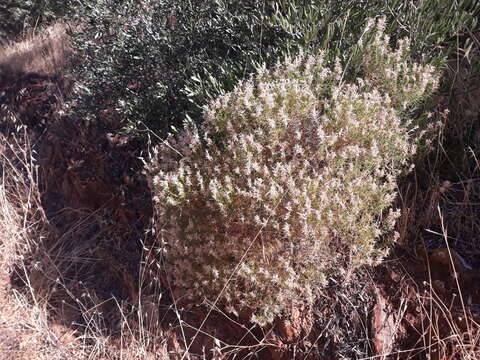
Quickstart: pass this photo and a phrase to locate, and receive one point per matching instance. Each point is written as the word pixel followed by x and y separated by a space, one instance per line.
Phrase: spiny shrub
pixel 289 180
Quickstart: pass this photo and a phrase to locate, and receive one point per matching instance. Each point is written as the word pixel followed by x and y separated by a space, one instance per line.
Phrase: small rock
pixel 383 328
pixel 299 324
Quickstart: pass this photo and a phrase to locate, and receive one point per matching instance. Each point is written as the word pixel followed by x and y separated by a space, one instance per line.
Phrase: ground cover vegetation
pixel 279 138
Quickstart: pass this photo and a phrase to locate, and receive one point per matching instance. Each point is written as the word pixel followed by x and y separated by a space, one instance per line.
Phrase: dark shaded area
pixel 18 15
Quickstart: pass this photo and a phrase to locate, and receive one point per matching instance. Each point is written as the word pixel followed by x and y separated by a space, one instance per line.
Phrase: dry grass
pixel 447 318
pixel 25 330
pixel 44 53
pixel 441 220
pixel 29 328
pixel 451 330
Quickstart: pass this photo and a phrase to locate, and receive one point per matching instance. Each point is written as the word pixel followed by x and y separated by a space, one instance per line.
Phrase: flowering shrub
pixel 289 179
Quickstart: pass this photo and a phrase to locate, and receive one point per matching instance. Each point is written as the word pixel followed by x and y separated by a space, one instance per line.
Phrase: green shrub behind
pixel 156 71
pixel 138 57
pixel 289 181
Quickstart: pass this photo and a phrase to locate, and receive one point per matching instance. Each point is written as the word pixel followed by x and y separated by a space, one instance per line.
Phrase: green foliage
pixel 430 24
pixel 137 56
pixel 156 71
pixel 289 180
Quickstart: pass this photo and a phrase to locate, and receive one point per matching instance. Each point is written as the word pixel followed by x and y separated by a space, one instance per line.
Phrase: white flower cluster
pixel 296 167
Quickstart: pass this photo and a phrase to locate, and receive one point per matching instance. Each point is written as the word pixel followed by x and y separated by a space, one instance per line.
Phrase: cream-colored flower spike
pixel 289 180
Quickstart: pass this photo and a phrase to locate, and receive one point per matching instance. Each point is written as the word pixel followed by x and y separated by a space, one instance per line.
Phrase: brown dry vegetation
pixel 75 213
pixel 45 53
pixel 440 223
